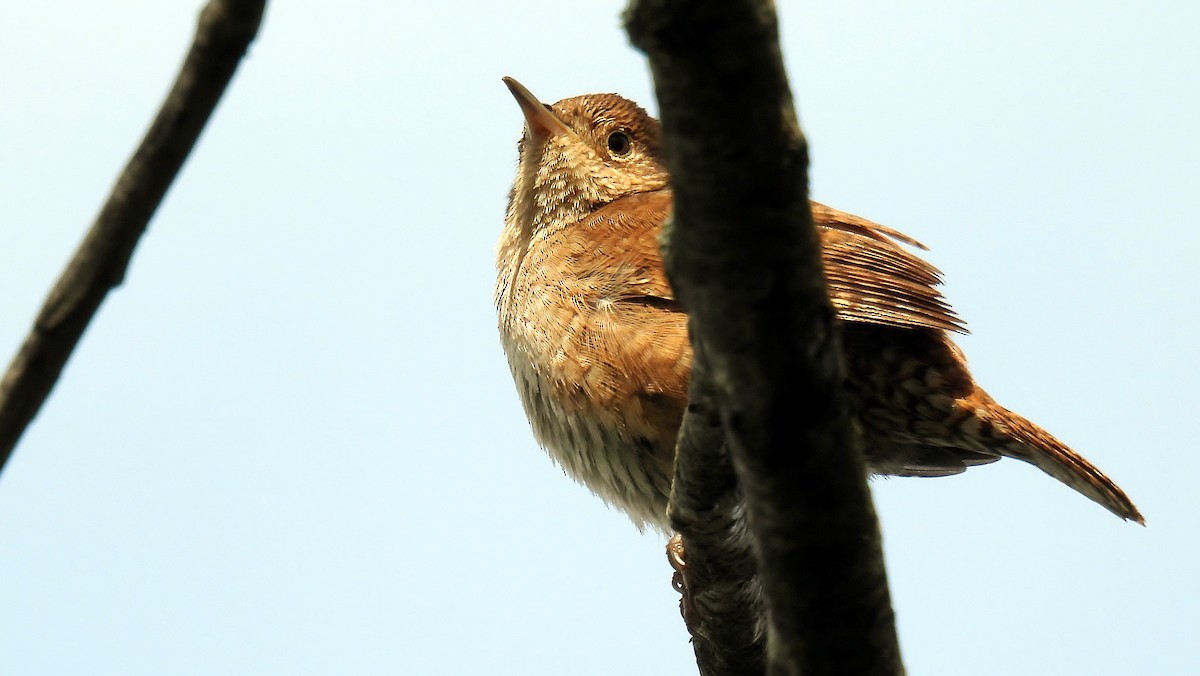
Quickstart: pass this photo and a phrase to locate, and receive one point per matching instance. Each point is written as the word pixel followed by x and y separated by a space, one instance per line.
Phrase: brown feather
pixel 599 348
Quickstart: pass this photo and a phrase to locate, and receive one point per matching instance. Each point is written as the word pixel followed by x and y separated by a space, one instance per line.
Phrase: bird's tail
pixel 1026 441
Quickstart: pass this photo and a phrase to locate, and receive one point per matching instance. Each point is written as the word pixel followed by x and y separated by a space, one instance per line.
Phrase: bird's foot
pixel 677 557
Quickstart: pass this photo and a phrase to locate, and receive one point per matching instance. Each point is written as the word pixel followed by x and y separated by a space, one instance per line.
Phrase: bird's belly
pixel 601 449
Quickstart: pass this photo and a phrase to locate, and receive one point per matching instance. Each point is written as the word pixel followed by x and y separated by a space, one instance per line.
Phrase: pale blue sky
pixel 290 445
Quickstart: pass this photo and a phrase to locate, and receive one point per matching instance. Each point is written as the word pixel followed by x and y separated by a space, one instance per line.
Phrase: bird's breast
pixel 571 347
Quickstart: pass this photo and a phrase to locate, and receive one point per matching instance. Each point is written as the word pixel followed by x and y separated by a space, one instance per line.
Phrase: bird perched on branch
pixel 599 350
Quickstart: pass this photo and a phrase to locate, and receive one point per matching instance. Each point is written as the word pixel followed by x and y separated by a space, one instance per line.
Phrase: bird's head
pixel 578 155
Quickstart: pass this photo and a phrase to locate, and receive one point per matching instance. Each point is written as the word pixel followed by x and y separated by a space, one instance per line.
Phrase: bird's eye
pixel 619 143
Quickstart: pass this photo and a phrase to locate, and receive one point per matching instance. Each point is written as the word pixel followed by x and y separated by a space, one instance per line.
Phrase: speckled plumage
pixel 599 350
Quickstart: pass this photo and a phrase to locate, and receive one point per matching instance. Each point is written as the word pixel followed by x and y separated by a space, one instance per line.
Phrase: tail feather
pixel 1028 442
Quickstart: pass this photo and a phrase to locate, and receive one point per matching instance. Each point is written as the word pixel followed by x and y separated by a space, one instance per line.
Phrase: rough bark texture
pixel 224 31
pixel 743 258
pixel 722 603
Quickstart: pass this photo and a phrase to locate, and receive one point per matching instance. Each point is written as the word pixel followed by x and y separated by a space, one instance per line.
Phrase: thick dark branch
pixel 223 34
pixel 722 602
pixel 744 260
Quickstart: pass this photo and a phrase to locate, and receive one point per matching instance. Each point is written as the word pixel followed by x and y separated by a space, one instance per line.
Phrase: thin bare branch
pixel 224 32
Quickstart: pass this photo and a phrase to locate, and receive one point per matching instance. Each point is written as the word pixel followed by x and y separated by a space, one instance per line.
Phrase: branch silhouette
pixel 743 257
pixel 224 32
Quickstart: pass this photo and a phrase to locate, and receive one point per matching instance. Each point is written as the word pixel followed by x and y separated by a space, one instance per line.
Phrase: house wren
pixel 599 350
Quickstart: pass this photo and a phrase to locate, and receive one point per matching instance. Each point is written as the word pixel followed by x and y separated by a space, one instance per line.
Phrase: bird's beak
pixel 539 120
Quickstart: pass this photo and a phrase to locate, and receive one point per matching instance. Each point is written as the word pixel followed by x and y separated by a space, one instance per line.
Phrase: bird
pixel 598 345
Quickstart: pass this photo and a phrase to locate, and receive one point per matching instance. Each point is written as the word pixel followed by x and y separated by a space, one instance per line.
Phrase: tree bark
pixel 743 257
pixel 224 32
pixel 722 600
